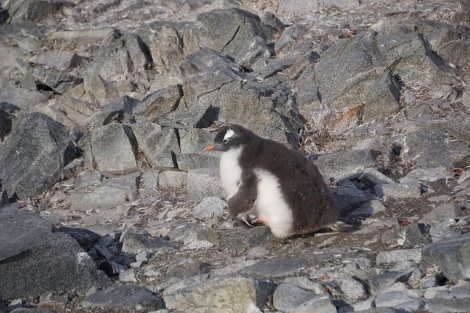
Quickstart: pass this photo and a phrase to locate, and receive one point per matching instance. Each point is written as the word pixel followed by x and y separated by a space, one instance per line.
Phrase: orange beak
pixel 209 148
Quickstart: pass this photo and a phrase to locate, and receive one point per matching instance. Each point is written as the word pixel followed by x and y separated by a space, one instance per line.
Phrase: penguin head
pixel 231 136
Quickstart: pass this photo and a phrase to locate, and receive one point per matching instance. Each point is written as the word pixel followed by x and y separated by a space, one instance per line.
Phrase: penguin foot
pixel 342 227
pixel 260 221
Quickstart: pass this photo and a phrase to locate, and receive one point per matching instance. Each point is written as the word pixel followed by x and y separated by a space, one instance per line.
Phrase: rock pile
pixel 109 204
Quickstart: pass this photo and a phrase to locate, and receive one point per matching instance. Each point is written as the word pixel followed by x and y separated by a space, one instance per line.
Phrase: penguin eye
pixel 225 140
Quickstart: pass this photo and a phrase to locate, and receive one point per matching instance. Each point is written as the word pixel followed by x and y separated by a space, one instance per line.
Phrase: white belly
pixel 271 205
pixel 230 171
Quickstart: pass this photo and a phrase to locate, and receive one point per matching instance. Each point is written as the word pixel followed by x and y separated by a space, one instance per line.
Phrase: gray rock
pixel 276 268
pixel 347 196
pixel 426 149
pixel 109 194
pixel 207 61
pixel 237 238
pixel 234 292
pixel 415 234
pixel 429 174
pixel 254 52
pixel 368 208
pixel 57 80
pixel 166 47
pixel 397 191
pixel 85 238
pixel 158 104
pixel 60 60
pixel 136 240
pixel 455 52
pixel 447 305
pixel 394 256
pixel 126 297
pixel 33 260
pixel 172 179
pixel 24 98
pixel 87 179
pixel 209 207
pixel 231 30
pixel 34 10
pixel 114 149
pixel 289 298
pixel 191 161
pixel 202 183
pixel 159 146
pixel 351 288
pixel 429 281
pixel 465 7
pixel 406 300
pixel 38 150
pixel 195 140
pixel 380 283
pixel 342 164
pixel 458 125
pixel 440 213
pixel 451 255
pixel 149 182
pixel 186 268
pixel 5 121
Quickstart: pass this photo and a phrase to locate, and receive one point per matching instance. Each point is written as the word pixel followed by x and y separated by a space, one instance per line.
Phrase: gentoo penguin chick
pixel 278 185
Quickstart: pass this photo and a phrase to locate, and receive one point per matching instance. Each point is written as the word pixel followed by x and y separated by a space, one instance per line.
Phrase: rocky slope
pixel 109 204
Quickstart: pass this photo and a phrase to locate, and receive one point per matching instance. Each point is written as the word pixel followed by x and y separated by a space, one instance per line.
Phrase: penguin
pixel 278 185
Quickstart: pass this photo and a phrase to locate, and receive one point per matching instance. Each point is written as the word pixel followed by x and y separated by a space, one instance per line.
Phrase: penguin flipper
pixel 244 200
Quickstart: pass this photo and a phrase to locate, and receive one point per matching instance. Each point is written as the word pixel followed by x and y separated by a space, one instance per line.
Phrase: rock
pixel 209 61
pixel 368 208
pixel 385 257
pixel 230 30
pixel 380 283
pixel 450 255
pixel 202 183
pixel 289 298
pixel 276 268
pixel 191 161
pixel 158 104
pixel 415 234
pixel 57 80
pixel 160 146
pixel 426 149
pixel 237 238
pixel 172 179
pixel 442 212
pixel 233 292
pixel 38 150
pixel 34 10
pixel 126 297
pixel 33 260
pixel 114 149
pixel 166 48
pixel 60 60
pixel 109 194
pixel 135 241
pixel 342 164
pixel 87 179
pixel 186 268
pixel 458 125
pixel 149 182
pixel 447 305
pixel 5 121
pixel 347 196
pixel 209 207
pixel 397 191
pixel 405 300
pixel 85 238
pixel 428 174
pixel 23 98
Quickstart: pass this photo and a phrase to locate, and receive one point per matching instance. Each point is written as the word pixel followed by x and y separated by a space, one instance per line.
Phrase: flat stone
pixel 110 193
pixel 186 268
pixel 232 292
pixel 394 256
pixel 86 179
pixel 352 288
pixel 172 179
pixel 451 255
pixel 209 207
pixel 397 191
pixel 292 299
pixel 136 240
pixel 440 213
pixel 190 161
pixel 342 164
pixel 369 208
pixel 236 238
pixel 382 282
pixel 429 174
pixel 34 260
pixel 407 300
pixel 202 183
pixel 276 268
pixel 414 234
pixel 447 305
pixel 114 149
pixel 126 297
pixel 426 149
pixel 149 182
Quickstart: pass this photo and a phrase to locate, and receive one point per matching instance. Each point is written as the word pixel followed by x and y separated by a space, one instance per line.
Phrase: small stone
pixel 209 207
pixel 381 282
pixel 172 179
pixel 393 256
pixel 186 268
pixel 429 281
pixel 305 283
pixel 128 276
pixel 415 234
pixel 288 298
pixel 447 305
pixel 406 300
pixel 443 212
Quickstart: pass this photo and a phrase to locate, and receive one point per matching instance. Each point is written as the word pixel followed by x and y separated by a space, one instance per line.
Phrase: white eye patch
pixel 229 135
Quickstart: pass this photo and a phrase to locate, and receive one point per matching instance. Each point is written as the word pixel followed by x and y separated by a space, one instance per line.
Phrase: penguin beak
pixel 209 148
